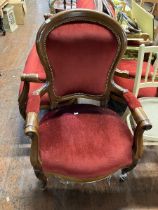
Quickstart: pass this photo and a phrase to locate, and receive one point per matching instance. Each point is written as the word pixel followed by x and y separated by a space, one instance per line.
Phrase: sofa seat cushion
pixel 84 145
pixel 131 66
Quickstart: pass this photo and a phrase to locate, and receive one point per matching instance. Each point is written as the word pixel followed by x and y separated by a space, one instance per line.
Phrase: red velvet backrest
pixel 80 52
pixel 81 55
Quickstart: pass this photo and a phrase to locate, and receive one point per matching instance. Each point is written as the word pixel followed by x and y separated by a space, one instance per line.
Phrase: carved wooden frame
pixel 31 127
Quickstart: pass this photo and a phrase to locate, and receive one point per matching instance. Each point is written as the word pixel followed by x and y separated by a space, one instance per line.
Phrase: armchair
pixel 81 142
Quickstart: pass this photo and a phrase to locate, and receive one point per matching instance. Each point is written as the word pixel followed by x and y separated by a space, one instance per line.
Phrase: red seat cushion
pixel 84 145
pixel 86 4
pixel 131 66
pixel 33 65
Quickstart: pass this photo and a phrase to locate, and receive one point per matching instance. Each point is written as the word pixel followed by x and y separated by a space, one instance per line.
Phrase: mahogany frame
pixel 31 126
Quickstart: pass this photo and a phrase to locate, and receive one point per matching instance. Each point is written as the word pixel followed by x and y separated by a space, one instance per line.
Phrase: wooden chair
pixel 149 104
pixel 81 142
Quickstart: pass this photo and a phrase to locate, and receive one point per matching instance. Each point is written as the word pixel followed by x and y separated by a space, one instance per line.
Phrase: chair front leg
pixel 31 130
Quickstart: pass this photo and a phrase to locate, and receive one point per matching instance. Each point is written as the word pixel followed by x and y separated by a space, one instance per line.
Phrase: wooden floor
pixel 19 188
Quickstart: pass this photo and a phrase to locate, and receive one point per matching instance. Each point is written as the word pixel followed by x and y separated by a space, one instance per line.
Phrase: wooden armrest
pixel 142 121
pixel 143 124
pixel 31 126
pixel 33 78
pixel 135 107
pixel 141 118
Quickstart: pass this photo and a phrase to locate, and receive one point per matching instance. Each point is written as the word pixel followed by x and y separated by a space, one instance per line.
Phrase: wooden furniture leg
pixel 2 27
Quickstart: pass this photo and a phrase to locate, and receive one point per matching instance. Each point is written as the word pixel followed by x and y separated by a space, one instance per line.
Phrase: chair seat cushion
pixel 84 145
pixel 33 65
pixel 130 66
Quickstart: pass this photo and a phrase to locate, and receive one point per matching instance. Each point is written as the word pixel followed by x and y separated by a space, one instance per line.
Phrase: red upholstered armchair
pixel 79 51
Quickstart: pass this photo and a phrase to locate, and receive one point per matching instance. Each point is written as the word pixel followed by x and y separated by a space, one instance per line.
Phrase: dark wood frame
pixel 31 127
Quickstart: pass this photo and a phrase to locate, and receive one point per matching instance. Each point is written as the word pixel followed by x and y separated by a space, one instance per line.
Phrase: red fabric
pixel 84 145
pixel 42 76
pixel 111 8
pixel 81 55
pixel 33 65
pixel 130 66
pixel 33 104
pixel 86 4
pixel 129 84
pixel 131 100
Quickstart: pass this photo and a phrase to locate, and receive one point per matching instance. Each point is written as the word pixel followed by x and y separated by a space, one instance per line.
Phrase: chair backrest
pixel 150 78
pixel 79 50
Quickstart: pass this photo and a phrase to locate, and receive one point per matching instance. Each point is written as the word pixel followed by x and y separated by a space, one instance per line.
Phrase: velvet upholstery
pixel 92 65
pixel 85 4
pixel 131 100
pixel 33 65
pixel 33 104
pixel 84 144
pixel 130 66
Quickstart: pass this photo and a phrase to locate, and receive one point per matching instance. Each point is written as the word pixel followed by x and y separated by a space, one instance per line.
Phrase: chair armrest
pixel 140 117
pixel 32 110
pixel 31 126
pixel 137 111
pixel 33 78
pixel 134 105
pixel 142 121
